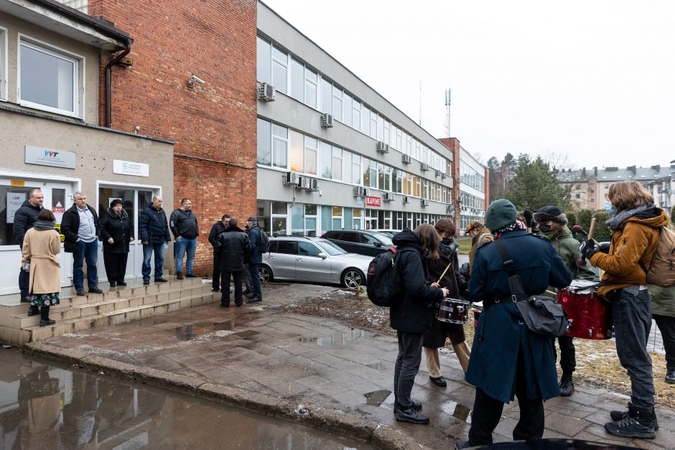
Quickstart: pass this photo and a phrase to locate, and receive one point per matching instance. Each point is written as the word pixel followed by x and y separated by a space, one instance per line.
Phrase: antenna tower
pixel 448 99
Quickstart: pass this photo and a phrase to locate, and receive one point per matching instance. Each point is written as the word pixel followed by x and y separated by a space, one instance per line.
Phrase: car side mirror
pixel 322 255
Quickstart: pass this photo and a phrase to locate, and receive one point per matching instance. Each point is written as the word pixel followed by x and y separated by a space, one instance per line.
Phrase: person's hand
pixel 144 242
pixel 111 240
pixel 435 284
pixel 604 247
pixel 446 292
pixel 588 248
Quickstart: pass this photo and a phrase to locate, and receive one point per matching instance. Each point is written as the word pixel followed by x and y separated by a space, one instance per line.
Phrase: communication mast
pixel 448 99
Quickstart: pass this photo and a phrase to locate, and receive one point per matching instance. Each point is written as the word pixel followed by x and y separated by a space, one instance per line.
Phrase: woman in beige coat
pixel 41 244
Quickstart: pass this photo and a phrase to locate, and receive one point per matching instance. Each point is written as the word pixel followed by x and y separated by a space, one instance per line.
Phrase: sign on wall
pixel 14 202
pixel 50 157
pixel 375 201
pixel 131 168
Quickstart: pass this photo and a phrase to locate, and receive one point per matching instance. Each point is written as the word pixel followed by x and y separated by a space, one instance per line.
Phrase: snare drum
pixel 454 310
pixel 589 316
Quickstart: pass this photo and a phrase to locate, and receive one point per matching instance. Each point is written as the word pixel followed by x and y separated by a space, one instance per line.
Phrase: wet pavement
pixel 315 371
pixel 46 406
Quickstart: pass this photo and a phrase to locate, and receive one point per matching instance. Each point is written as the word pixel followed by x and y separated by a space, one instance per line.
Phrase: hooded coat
pixel 631 249
pixel 501 336
pixel 413 311
pixel 40 248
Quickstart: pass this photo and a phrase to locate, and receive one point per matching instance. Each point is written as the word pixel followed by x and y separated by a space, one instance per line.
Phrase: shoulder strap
pixel 515 282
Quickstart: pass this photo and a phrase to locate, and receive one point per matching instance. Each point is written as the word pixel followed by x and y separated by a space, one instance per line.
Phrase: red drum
pixel 477 309
pixel 589 316
pixel 454 310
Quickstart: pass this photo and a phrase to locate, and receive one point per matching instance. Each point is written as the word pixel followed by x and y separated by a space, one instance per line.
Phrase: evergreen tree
pixel 535 184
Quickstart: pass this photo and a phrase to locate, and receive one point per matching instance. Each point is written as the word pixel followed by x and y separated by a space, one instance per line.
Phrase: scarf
pixel 43 225
pixel 517 225
pixel 118 215
pixel 614 223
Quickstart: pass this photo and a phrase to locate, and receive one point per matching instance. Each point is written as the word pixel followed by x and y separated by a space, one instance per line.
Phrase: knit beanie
pixel 500 214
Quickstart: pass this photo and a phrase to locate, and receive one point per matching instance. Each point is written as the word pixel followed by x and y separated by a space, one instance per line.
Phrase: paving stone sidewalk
pixel 315 371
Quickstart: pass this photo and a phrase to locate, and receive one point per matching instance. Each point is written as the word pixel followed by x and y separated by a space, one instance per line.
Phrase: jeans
pixel 632 316
pixel 487 412
pixel 180 247
pixel 86 251
pixel 666 326
pixel 254 271
pixel 148 250
pixel 407 365
pixel 568 361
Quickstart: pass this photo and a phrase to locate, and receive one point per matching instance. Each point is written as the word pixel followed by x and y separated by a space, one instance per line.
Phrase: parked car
pixel 389 233
pixel 313 260
pixel 363 242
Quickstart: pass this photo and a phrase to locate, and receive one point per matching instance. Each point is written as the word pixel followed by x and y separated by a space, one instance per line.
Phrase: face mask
pixel 609 208
pixel 550 234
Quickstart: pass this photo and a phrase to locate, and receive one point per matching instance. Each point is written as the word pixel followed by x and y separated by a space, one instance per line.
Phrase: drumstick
pixel 444 272
pixel 591 228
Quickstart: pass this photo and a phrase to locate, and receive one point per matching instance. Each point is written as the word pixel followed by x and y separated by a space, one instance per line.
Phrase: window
pixel 49 79
pixel 297 152
pixel 3 64
pixel 264 142
pixel 297 80
pixel 279 70
pixel 325 158
pixel 307 249
pixel 311 88
pixel 337 103
pixel 337 163
pixel 279 146
pixel 311 154
pixel 264 62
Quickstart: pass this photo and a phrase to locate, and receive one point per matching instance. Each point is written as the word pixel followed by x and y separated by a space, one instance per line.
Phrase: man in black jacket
pixel 24 218
pixel 185 230
pixel 81 229
pixel 216 229
pixel 235 248
pixel 154 231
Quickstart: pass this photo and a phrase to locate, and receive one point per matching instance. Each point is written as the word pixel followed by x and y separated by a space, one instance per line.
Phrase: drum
pixel 477 309
pixel 454 310
pixel 589 316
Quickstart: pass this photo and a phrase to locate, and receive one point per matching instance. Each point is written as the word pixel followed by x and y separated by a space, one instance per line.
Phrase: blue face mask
pixel 609 208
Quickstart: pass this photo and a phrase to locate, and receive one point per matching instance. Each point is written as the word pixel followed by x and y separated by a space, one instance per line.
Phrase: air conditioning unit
pixel 358 191
pixel 314 185
pixel 407 159
pixel 406 199
pixel 292 178
pixel 438 173
pixel 266 92
pixel 443 176
pixel 326 120
pixel 425 202
pixel 382 147
pixel 305 183
pixel 424 167
pixel 388 196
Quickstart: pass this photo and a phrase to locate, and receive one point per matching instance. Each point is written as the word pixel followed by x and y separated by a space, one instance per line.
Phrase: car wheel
pixel 352 278
pixel 265 273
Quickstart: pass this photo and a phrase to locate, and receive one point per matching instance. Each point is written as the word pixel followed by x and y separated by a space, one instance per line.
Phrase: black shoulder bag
pixel 542 315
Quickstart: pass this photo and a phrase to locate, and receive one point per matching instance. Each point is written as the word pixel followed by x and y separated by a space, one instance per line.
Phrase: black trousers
pixel 215 283
pixel 568 360
pixel 666 326
pixel 237 278
pixel 487 411
pixel 115 266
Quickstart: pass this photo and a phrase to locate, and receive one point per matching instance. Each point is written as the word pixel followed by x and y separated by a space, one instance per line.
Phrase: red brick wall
pixel 213 124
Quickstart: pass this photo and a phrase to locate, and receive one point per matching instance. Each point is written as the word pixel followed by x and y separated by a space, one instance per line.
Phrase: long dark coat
pixel 413 312
pixel 118 227
pixel 234 249
pixel 501 334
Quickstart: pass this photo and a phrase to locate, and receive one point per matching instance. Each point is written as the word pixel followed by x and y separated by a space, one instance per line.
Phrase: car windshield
pixel 383 238
pixel 330 248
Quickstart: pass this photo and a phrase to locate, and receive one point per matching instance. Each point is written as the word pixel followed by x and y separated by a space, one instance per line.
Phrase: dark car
pixel 363 242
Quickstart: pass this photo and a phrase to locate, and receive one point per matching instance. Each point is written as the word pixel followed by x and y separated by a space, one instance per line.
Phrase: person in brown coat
pixel 41 244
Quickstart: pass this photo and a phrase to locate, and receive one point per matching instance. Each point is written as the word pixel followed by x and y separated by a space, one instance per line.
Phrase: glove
pixel 588 248
pixel 604 247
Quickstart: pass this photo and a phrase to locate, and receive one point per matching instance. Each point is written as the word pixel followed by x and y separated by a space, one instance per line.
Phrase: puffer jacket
pixel 413 312
pixel 153 226
pixel 24 218
pixel 568 249
pixel 632 247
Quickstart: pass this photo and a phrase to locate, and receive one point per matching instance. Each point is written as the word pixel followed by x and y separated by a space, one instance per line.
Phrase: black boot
pixel 566 385
pixel 44 317
pixel 33 310
pixel 620 415
pixel 639 424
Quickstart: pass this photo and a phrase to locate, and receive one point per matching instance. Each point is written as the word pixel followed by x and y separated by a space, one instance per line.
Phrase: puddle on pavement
pixel 337 338
pixel 461 412
pixel 376 398
pixel 377 366
pixel 193 330
pixel 45 405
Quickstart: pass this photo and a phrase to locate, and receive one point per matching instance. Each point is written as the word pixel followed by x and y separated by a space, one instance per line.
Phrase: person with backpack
pixel 445 268
pixel 635 230
pixel 257 239
pixel 507 359
pixel 412 314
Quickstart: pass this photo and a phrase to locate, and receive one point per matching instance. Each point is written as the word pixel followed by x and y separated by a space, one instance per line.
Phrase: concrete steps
pixel 115 305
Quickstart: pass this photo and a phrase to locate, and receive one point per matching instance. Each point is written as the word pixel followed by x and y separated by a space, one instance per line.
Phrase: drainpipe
pixel 108 74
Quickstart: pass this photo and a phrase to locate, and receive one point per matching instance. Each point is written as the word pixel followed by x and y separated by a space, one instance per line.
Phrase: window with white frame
pixel 337 163
pixel 264 61
pixel 325 160
pixel 311 155
pixel 279 70
pixel 356 169
pixel 279 146
pixel 337 103
pixel 348 109
pixel 311 88
pixel 297 151
pixel 49 79
pixel 347 166
pixel 356 119
pixel 3 64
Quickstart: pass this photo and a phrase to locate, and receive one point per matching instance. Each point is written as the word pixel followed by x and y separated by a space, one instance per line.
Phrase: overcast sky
pixel 593 80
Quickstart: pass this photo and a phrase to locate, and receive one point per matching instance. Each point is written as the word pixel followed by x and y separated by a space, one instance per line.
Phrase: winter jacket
pixel 234 248
pixel 24 218
pixel 40 248
pixel 662 300
pixel 256 253
pixel 153 227
pixel 216 229
pixel 413 311
pixel 632 247
pixel 568 249
pixel 455 283
pixel 120 228
pixel 70 225
pixel 483 237
pixel 501 336
pixel 184 224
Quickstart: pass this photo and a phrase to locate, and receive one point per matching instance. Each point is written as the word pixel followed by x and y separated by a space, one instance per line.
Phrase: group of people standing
pixel 507 360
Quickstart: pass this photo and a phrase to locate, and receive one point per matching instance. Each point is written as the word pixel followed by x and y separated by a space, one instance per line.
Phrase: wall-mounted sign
pixel 375 201
pixel 50 157
pixel 14 202
pixel 131 168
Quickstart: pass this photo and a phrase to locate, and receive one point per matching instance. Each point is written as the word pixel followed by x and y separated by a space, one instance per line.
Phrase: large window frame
pixel 69 78
pixel 3 64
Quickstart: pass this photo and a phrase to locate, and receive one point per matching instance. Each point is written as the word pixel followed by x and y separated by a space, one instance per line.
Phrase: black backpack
pixel 383 283
pixel 264 241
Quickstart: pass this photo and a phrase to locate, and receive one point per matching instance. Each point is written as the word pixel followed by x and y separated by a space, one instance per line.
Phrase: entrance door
pixel 57 197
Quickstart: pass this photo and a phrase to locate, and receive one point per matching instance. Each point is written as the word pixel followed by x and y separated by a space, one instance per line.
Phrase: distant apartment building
pixel 588 187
